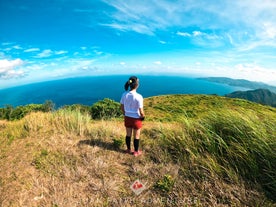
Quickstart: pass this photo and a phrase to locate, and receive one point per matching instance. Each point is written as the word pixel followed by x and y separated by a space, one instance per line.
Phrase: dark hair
pixel 132 83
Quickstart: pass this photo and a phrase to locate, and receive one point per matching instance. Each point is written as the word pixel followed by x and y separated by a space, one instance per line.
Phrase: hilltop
pixel 199 150
pixel 262 96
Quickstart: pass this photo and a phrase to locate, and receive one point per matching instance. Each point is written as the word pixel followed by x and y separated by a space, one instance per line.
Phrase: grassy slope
pixel 198 151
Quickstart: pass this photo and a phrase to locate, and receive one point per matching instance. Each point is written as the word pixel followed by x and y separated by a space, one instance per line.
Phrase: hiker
pixel 132 108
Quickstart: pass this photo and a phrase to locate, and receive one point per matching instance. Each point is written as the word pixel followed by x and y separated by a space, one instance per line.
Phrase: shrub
pixel 165 184
pixel 78 107
pixel 105 109
pixel 118 143
pixel 16 113
pixel 47 106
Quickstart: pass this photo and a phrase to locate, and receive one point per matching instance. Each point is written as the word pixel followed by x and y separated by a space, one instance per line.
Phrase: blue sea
pixel 88 90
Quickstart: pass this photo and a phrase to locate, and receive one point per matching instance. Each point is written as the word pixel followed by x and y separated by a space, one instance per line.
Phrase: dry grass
pixel 65 159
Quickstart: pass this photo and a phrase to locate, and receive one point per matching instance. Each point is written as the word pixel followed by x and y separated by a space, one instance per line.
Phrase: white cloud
pixel 204 39
pixel 248 71
pixel 7 49
pixel 17 47
pixel 184 34
pixel 32 50
pixel 61 52
pixel 254 72
pixel 34 67
pixel 97 52
pixel 145 17
pixel 158 62
pixel 131 26
pixel 245 21
pixel 269 30
pixel 49 53
pixel 8 68
pixel 44 54
pixel 80 64
pixel 197 33
pixel 9 64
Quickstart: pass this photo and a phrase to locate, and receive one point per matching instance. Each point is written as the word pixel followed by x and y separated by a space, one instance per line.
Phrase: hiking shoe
pixel 128 151
pixel 137 153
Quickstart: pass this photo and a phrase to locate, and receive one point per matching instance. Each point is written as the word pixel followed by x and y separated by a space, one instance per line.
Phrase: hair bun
pixel 132 79
pixel 132 83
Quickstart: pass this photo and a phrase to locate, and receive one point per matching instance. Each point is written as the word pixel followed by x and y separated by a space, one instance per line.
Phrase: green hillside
pixel 198 150
pixel 262 96
pixel 179 107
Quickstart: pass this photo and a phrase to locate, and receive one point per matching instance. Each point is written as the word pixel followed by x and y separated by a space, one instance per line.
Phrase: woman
pixel 132 108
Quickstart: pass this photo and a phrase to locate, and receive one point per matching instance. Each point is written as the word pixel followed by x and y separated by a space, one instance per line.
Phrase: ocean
pixel 88 90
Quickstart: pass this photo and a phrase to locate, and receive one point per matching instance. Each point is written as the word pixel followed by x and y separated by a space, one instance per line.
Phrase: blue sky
pixel 53 39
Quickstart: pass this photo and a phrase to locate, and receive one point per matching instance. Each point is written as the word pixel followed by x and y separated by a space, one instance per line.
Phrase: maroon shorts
pixel 134 123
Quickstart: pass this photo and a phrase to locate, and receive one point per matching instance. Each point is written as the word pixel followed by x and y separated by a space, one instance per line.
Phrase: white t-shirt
pixel 132 101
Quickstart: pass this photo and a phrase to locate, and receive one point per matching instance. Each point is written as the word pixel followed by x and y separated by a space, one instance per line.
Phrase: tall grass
pixel 224 157
pixel 61 121
pixel 52 159
pixel 243 144
pixel 228 144
pixel 73 121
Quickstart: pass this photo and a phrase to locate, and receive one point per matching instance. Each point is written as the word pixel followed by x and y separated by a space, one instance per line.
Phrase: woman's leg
pixel 128 137
pixel 128 131
pixel 136 133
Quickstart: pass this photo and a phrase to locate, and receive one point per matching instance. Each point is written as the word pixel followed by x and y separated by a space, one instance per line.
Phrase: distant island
pixel 262 96
pixel 240 83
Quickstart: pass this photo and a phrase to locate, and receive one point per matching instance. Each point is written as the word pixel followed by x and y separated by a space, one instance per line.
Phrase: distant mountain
pixel 240 83
pixel 262 96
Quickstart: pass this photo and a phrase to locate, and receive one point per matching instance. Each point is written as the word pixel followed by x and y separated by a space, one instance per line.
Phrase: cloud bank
pixel 9 68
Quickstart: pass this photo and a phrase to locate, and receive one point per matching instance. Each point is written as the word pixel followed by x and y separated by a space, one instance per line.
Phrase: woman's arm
pixel 142 113
pixel 123 108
